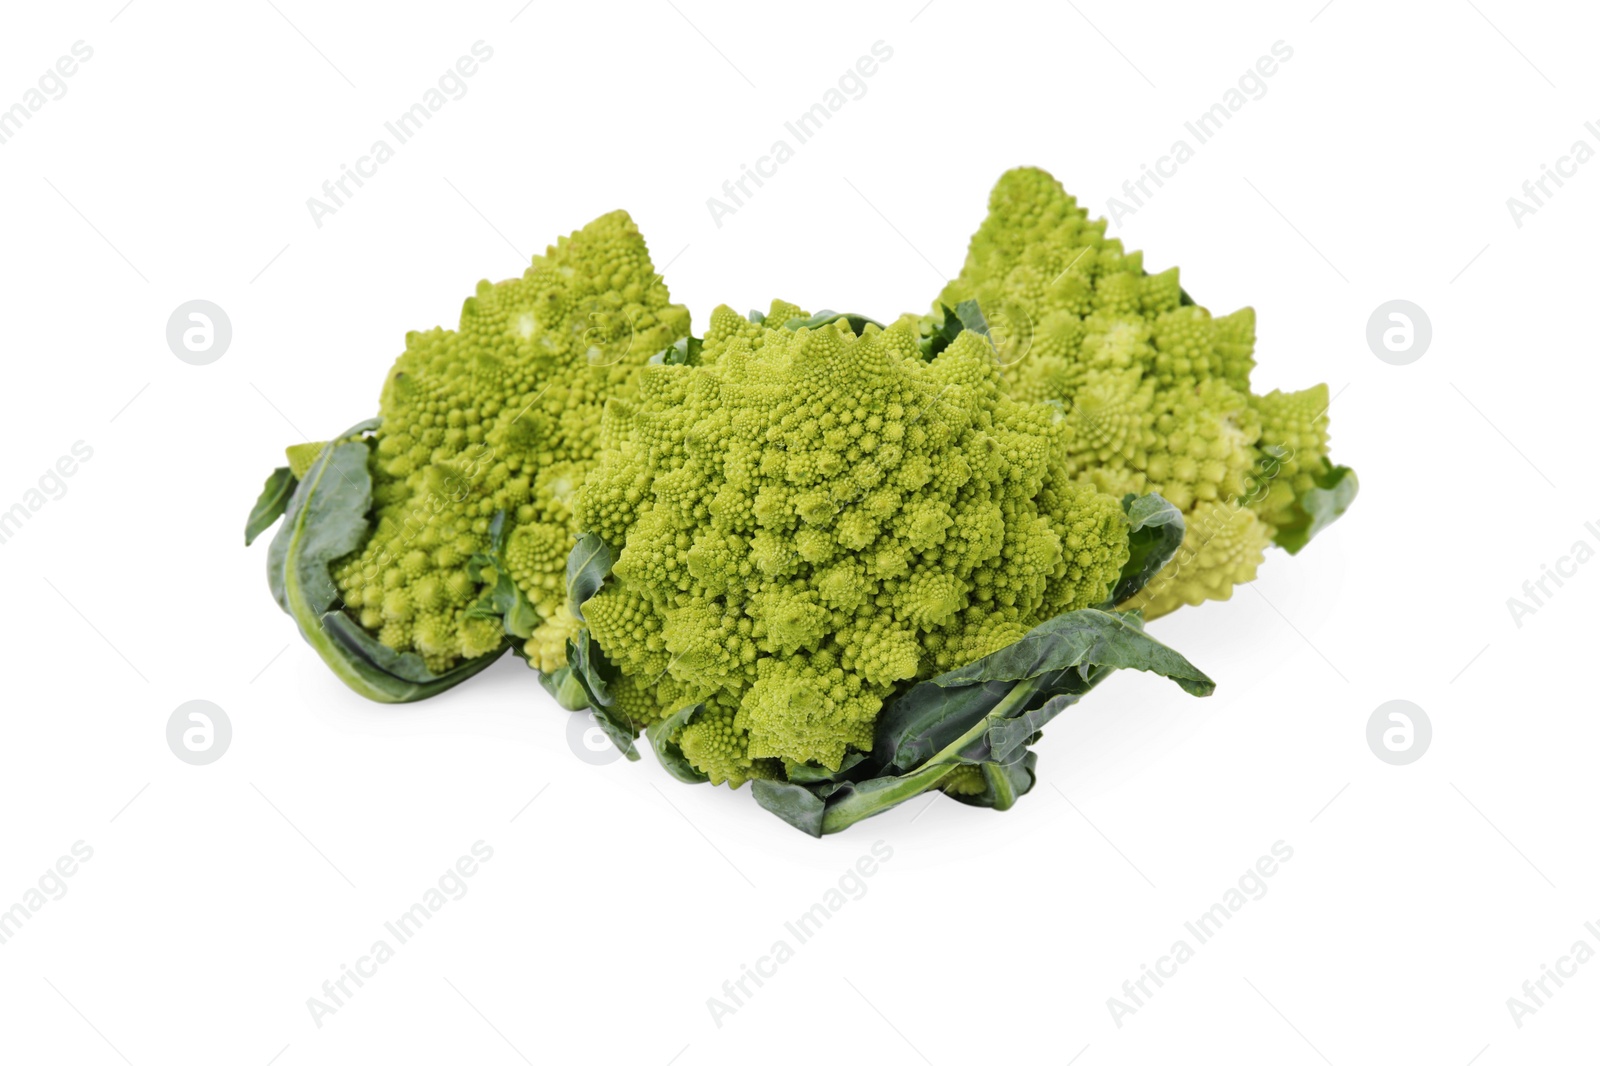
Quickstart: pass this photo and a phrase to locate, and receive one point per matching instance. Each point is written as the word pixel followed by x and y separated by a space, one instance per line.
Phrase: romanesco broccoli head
pixel 807 519
pixel 1154 388
pixel 502 414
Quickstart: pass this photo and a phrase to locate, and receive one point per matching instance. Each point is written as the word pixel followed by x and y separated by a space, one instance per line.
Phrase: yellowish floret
pixel 1155 390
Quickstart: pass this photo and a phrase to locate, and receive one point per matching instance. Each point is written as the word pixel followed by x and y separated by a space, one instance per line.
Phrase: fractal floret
pixel 502 416
pixel 1155 390
pixel 808 518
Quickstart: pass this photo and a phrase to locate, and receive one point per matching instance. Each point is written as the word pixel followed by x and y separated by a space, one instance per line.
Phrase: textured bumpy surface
pixel 1155 389
pixel 502 414
pixel 808 518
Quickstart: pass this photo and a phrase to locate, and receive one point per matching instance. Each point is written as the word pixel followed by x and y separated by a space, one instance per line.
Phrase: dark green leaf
pixel 618 727
pixel 567 690
pixel 971 317
pixel 662 736
pixel 270 504
pixel 1006 739
pixel 327 518
pixel 1332 494
pixel 927 717
pixel 795 804
pixel 1064 656
pixel 758 317
pixel 590 668
pixel 502 597
pixel 1155 532
pixel 587 568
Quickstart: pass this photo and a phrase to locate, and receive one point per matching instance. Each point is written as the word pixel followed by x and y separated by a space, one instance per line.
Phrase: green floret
pixel 807 520
pixel 502 414
pixel 1155 390
pixel 964 781
pixel 301 456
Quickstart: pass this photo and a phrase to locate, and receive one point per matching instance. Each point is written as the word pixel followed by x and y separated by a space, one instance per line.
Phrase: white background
pixel 219 898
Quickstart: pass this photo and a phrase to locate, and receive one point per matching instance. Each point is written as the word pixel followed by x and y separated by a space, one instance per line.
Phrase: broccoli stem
pixel 860 804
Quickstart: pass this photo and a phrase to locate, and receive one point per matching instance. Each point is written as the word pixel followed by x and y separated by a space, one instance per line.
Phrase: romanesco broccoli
pixel 1155 389
pixel 808 519
pixel 502 414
